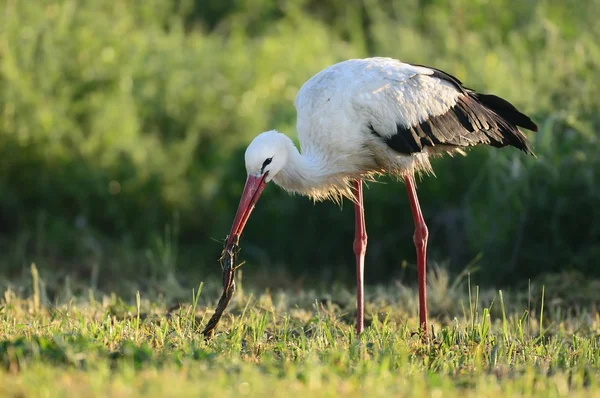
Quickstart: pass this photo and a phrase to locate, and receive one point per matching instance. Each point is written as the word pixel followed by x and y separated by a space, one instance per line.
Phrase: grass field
pixel 301 342
pixel 122 132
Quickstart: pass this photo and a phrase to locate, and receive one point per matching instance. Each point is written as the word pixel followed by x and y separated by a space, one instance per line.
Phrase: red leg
pixel 360 247
pixel 420 239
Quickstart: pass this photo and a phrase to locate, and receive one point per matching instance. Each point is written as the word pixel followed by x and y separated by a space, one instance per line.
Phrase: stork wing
pixel 426 107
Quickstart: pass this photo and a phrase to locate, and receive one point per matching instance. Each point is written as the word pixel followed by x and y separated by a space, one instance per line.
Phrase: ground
pixel 299 342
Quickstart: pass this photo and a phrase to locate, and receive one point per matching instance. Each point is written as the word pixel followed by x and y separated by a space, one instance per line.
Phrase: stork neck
pixel 302 172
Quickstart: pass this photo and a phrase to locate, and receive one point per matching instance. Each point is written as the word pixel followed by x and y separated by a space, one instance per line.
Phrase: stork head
pixel 266 155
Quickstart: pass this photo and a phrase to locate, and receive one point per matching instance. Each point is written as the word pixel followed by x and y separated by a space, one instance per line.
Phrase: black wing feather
pixel 475 119
pixel 507 110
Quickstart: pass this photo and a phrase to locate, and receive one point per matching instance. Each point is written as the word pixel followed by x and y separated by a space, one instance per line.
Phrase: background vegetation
pixel 123 127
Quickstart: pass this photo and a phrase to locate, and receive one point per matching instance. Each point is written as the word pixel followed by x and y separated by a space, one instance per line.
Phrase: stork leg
pixel 360 247
pixel 420 239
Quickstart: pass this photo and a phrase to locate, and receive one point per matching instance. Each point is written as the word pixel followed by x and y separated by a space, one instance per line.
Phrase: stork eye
pixel 266 163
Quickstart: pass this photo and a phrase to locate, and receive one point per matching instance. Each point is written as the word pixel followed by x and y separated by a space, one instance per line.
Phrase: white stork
pixel 362 118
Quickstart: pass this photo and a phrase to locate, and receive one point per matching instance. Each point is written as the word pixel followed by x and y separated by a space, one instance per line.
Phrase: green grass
pixel 119 118
pixel 294 343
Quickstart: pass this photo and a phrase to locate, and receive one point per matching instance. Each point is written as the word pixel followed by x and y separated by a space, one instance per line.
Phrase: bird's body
pixel 357 119
pixel 364 117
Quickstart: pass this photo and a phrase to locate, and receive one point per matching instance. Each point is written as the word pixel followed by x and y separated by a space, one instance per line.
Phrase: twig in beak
pixel 227 260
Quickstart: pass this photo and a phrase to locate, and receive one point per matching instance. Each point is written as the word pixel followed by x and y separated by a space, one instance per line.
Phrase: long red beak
pixel 252 190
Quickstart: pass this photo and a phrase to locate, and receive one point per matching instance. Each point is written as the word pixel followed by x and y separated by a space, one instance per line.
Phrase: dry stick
pixel 227 261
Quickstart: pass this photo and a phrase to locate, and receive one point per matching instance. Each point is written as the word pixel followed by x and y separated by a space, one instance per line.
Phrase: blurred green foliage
pixel 118 118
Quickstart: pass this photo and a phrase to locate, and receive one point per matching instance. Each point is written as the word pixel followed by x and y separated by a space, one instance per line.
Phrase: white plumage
pixel 336 106
pixel 381 91
pixel 364 117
